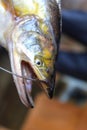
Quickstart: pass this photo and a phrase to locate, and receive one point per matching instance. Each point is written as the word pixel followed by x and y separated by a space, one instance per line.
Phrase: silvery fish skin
pixel 31 36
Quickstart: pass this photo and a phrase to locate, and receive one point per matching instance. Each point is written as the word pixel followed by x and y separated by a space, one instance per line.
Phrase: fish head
pixel 32 56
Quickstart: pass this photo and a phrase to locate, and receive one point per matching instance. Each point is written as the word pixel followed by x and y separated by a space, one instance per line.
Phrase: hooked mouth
pixel 29 74
pixel 30 77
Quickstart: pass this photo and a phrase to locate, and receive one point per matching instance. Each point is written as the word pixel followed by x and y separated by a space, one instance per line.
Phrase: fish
pixel 30 31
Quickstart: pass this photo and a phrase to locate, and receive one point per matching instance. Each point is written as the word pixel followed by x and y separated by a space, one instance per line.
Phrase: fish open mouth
pixel 26 64
pixel 29 73
pixel 30 77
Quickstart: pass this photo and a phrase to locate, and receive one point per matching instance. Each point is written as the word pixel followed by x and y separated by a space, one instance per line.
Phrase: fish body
pixel 31 36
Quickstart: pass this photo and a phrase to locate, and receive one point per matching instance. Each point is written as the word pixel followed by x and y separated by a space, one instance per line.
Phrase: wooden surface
pixel 3 128
pixel 52 115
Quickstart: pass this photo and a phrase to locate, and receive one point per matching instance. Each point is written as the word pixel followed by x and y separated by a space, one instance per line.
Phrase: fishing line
pixel 9 72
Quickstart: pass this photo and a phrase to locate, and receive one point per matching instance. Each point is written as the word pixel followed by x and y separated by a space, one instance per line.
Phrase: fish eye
pixel 38 62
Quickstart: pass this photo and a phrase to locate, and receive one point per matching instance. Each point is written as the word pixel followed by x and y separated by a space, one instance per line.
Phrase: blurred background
pixel 68 109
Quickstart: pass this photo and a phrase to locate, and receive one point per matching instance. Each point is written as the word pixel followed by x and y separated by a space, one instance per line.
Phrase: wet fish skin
pixel 32 35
